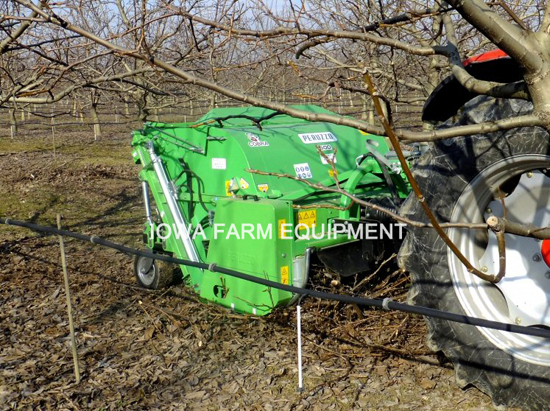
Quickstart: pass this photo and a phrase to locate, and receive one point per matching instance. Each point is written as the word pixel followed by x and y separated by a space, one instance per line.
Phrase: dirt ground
pixel 167 350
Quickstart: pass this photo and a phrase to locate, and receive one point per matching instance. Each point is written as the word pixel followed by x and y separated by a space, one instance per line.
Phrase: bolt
pixel 488 211
pixel 283 255
pixel 536 258
pixel 529 174
pixel 547 274
pixel 484 269
pixel 518 320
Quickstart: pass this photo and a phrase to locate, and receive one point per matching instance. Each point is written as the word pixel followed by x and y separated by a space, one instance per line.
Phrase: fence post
pixel 69 307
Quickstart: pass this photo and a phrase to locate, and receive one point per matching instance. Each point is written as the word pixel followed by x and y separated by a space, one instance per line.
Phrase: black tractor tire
pixel 155 274
pixel 443 174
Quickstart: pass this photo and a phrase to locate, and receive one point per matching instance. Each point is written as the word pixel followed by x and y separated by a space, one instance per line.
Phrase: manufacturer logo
pixel 317 138
pixel 255 141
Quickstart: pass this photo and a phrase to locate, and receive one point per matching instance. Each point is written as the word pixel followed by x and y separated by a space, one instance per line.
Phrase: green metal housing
pixel 209 165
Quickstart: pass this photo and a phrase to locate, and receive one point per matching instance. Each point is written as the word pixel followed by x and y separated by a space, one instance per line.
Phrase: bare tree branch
pixel 489 88
pixel 11 37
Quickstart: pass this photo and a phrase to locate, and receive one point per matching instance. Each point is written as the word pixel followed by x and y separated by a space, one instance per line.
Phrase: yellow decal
pixel 307 218
pixel 331 172
pixel 228 188
pixel 284 274
pixel 263 187
pixel 280 224
pixel 244 184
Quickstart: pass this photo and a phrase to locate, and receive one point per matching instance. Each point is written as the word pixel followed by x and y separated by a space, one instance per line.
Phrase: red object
pixel 545 250
pixel 490 55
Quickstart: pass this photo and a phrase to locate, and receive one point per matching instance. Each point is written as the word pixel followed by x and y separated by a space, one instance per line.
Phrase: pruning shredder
pixel 263 193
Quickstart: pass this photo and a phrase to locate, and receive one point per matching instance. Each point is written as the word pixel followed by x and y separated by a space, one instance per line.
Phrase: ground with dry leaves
pixel 168 350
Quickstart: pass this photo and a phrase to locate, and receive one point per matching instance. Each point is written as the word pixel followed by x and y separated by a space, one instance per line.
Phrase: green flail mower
pixel 212 205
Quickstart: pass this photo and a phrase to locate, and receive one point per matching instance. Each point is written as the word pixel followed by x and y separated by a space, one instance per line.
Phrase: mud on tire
pixel 489 361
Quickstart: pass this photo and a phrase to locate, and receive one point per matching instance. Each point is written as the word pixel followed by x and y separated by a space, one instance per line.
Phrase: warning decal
pixel 303 170
pixel 307 219
pixel 263 187
pixel 284 274
pixel 280 226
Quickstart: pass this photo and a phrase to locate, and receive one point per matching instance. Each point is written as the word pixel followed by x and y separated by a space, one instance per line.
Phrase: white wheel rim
pixel 506 302
pixel 146 270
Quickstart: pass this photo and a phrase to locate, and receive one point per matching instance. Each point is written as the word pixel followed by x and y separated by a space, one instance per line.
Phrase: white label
pixel 303 170
pixel 219 163
pixel 330 156
pixel 317 138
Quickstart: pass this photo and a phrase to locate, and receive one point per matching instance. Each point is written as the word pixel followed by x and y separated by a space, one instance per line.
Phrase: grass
pixel 76 181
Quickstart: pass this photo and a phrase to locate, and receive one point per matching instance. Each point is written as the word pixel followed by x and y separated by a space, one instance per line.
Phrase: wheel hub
pixel 146 270
pixel 526 286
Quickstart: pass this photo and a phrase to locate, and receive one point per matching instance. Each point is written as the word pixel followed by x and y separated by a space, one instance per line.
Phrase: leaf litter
pixel 167 350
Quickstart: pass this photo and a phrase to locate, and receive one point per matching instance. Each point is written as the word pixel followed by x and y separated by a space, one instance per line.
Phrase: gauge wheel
pixel 154 274
pixel 468 179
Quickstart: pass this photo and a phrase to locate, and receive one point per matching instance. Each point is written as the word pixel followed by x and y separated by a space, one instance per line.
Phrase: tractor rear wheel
pixel 464 180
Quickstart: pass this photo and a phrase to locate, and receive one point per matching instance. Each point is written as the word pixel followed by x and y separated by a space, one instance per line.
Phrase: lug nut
pixel 547 274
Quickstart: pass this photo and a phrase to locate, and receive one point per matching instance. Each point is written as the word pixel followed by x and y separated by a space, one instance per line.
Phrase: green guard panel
pixel 269 257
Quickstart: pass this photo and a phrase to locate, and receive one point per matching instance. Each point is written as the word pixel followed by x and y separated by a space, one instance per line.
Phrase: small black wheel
pixel 467 180
pixel 154 274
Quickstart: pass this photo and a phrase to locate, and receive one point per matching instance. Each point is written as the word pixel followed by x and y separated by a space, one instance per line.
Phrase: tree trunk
pixel 95 121
pixel 13 123
pixel 212 101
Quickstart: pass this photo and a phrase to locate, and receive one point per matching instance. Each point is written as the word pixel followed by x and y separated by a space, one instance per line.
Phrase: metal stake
pixel 299 328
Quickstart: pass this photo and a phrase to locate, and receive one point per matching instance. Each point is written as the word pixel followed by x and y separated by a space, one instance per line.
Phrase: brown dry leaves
pixel 172 351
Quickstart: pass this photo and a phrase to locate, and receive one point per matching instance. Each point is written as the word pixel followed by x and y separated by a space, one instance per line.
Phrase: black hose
pixel 190 174
pixel 367 302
